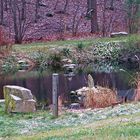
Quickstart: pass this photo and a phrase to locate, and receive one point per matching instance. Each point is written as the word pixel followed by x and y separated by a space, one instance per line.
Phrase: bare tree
pixel 66 5
pixel 92 12
pixel 108 17
pixel 104 18
pixel 23 9
pixel 5 45
pixel 77 17
pixel 111 5
pixel 37 10
pixel 75 21
pixel 20 23
pixel 56 3
pixel 6 5
pixel 1 12
pixel 133 10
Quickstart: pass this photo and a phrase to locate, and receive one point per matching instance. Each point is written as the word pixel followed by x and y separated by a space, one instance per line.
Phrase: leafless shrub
pixel 5 45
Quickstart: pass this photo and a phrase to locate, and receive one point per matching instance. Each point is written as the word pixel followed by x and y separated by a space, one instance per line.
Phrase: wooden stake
pixel 55 77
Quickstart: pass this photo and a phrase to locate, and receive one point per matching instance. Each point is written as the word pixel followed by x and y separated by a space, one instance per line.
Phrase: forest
pixel 31 20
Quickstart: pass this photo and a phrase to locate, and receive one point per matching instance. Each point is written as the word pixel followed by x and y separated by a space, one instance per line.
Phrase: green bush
pixel 80 46
pixel 54 61
pixel 107 50
pixel 66 52
pixel 10 65
pixel 40 59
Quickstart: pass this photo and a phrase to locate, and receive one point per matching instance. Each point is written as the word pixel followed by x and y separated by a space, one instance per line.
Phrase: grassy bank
pixel 119 123
pixel 117 131
pixel 102 52
pixel 71 43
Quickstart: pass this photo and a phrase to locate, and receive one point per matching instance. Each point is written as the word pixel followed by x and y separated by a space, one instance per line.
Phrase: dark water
pixel 41 83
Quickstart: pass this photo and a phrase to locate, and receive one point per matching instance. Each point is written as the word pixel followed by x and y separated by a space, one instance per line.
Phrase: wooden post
pixel 55 94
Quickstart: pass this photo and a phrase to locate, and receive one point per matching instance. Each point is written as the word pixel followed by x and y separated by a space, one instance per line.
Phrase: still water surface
pixel 40 83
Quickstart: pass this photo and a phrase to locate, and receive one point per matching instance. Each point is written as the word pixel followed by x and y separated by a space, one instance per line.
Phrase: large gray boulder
pixel 18 99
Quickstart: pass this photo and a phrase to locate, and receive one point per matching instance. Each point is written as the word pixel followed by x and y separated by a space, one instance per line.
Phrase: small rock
pixel 75 106
pixel 118 34
pixel 2 101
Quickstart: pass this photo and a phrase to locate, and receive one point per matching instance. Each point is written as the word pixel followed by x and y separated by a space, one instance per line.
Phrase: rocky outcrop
pixel 18 99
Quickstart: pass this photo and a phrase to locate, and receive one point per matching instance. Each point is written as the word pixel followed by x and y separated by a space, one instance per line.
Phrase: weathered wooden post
pixel 55 94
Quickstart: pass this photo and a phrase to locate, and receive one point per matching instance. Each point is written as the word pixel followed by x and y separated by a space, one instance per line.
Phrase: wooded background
pixel 43 19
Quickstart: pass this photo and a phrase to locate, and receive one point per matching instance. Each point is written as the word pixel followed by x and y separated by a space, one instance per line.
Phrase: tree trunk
pixel 6 5
pixel 1 12
pixel 66 5
pixel 36 10
pixel 133 16
pixel 92 12
pixel 18 39
pixel 23 16
pixel 112 5
pixel 17 21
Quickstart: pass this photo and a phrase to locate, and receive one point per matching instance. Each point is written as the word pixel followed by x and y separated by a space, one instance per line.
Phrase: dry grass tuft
pixel 99 98
pixel 137 97
pixel 137 83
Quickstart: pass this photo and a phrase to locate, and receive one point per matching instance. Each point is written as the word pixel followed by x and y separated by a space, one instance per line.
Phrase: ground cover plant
pixel 80 124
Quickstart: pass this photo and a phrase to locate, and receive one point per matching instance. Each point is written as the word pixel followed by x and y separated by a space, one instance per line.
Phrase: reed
pixel 137 97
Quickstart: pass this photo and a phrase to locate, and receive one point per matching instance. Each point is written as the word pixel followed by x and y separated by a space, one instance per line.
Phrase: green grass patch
pixel 122 131
pixel 9 123
pixel 110 123
pixel 44 46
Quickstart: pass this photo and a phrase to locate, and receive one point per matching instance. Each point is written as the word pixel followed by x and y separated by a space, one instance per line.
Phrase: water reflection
pixel 41 83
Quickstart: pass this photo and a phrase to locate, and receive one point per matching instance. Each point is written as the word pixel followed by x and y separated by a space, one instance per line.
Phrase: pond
pixel 40 83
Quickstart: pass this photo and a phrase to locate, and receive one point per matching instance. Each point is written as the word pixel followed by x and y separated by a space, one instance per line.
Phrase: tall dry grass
pixel 137 97
pixel 100 98
pixel 138 91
